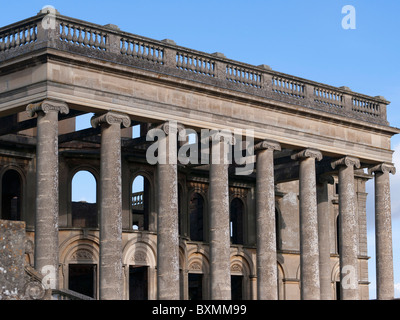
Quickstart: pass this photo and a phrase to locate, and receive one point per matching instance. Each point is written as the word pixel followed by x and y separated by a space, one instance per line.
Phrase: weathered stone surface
pixel 12 260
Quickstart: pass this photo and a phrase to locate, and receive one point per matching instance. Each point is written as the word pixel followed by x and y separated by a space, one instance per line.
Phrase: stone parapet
pixel 52 30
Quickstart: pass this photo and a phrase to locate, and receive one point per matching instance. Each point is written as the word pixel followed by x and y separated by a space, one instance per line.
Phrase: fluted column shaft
pixel 267 273
pixel 348 228
pixel 219 220
pixel 309 250
pixel 110 269
pixel 47 203
pixel 383 232
pixel 167 219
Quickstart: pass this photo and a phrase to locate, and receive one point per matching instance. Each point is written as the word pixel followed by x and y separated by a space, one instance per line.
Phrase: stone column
pixel 324 210
pixel 167 218
pixel 348 228
pixel 309 250
pixel 219 218
pixel 110 269
pixel 47 207
pixel 267 273
pixel 383 231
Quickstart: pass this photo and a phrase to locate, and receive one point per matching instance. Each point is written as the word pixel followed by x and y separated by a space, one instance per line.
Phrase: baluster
pixel 123 46
pixel 102 41
pixel 96 39
pixel 91 40
pixel 154 56
pixel 74 37
pixel 80 38
pixel 129 50
pixel 148 52
pixel 34 33
pixel 69 31
pixel 12 43
pixel 2 44
pixel 178 60
pixel 160 55
pixel 18 40
pixel 61 31
pixel 85 38
pixel 140 50
pixel 23 38
pixel 28 34
pixel 134 51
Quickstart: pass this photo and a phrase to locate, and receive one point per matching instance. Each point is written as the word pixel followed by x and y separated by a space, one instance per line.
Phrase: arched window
pixel 236 221
pixel 140 203
pixel 196 216
pixel 11 195
pixel 84 200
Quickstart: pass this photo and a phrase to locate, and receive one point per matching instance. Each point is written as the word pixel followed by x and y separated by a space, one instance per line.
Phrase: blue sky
pixel 302 38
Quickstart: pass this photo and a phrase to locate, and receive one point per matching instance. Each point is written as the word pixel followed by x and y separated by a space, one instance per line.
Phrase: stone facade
pixel 292 227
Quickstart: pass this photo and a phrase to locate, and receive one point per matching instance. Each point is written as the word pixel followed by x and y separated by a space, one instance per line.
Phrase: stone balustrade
pixel 109 43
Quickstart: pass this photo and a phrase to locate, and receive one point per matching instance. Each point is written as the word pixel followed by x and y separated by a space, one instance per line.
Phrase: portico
pixel 303 131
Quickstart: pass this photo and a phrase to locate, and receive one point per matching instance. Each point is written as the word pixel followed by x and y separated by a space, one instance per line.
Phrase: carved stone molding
pixel 307 153
pixel 110 118
pixel 383 168
pixel 346 161
pixel 267 145
pixel 82 254
pixel 195 266
pixel 46 106
pixel 236 268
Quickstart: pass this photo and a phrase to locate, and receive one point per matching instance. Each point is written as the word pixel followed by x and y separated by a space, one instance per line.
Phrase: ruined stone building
pixel 293 227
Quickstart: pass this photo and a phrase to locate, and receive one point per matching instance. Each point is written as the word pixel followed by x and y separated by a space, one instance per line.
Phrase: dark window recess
pixel 138 283
pixel 196 211
pixel 195 286
pixel 82 279
pixel 237 287
pixel 236 217
pixel 11 196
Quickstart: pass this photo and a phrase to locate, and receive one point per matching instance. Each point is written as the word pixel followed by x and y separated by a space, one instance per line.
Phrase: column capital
pixel 110 117
pixel 171 127
pixel 307 153
pixel 346 161
pixel 267 145
pixel 222 135
pixel 383 168
pixel 46 106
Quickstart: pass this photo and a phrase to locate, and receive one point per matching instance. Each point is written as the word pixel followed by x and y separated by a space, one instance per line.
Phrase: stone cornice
pixel 346 161
pixel 383 168
pixel 46 106
pixel 110 118
pixel 307 153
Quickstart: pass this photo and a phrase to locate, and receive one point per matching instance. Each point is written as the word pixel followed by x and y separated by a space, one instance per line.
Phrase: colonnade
pixel 314 249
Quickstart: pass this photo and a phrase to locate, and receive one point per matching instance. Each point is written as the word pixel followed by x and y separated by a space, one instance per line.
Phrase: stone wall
pixel 18 281
pixel 12 259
